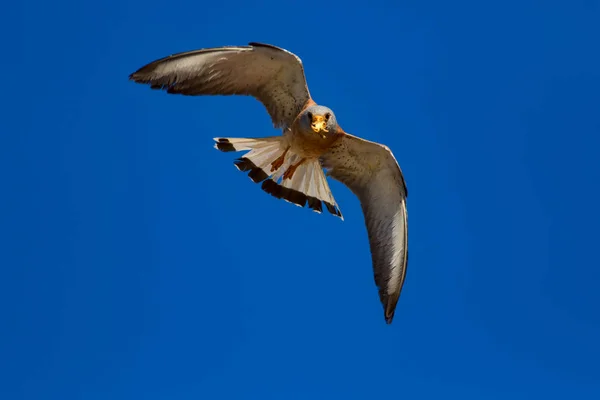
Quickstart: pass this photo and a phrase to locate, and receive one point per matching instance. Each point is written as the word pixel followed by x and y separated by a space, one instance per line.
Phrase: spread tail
pixel 283 174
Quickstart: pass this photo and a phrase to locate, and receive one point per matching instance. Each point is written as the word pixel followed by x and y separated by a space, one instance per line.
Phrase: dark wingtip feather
pixel 389 307
pixel 139 76
pixel 389 318
pixel 389 312
pixel 258 44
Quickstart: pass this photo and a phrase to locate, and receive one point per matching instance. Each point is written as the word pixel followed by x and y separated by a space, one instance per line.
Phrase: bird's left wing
pixel 372 173
pixel 271 74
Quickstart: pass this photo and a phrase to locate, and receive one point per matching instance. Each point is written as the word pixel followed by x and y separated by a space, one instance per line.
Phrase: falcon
pixel 291 165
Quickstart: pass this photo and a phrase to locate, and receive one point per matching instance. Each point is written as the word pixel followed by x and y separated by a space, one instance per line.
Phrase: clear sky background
pixel 137 263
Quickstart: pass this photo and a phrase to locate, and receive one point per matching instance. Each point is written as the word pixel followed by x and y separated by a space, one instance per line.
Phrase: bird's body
pixel 290 166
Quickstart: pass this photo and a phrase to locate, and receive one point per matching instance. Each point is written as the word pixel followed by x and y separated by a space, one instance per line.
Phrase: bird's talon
pixel 290 171
pixel 275 165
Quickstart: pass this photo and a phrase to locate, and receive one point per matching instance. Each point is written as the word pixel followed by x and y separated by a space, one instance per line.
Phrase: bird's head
pixel 319 120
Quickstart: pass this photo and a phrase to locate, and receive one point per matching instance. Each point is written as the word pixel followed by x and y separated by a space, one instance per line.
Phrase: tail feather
pixel 264 155
pixel 308 184
pixel 255 173
pixel 241 144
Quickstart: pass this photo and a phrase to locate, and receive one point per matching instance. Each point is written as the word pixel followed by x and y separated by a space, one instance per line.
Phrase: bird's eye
pixel 327 116
pixel 309 115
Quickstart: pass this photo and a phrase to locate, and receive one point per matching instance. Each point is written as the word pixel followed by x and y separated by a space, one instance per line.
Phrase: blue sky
pixel 137 263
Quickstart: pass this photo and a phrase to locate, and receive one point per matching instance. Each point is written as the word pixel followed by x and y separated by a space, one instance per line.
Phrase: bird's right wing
pixel 272 75
pixel 374 176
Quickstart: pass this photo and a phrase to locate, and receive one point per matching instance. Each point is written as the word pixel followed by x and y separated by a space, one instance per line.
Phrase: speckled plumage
pixel 290 166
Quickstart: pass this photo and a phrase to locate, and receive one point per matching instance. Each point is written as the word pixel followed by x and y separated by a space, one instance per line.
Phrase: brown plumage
pixel 290 166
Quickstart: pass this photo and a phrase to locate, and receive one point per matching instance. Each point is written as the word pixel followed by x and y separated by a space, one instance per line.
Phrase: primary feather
pixel 372 173
pixel 272 75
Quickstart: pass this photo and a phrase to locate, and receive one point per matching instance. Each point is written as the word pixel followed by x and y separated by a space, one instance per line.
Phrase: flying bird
pixel 291 165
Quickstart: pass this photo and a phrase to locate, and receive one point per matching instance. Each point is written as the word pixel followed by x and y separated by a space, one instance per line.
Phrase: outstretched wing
pixel 374 176
pixel 272 75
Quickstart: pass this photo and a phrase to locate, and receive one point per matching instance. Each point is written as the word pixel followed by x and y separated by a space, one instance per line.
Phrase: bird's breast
pixel 310 145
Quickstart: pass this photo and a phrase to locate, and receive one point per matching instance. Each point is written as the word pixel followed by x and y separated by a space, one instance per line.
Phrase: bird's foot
pixel 290 171
pixel 275 165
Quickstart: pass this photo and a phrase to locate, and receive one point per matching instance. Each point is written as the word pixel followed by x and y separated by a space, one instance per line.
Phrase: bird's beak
pixel 319 125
